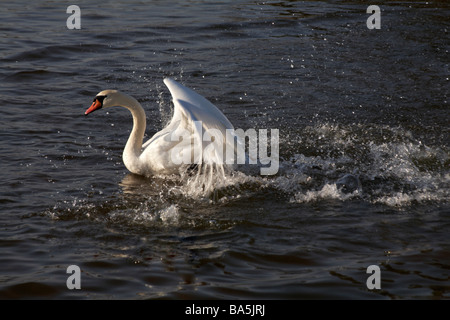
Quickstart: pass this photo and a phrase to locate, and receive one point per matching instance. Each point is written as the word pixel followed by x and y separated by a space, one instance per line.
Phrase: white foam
pixel 170 215
pixel 403 199
pixel 328 192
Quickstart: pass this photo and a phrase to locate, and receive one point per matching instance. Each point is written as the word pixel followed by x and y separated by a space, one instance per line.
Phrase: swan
pixel 192 114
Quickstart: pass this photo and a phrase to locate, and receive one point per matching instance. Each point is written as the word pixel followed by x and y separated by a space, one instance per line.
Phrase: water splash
pixel 378 165
pixel 166 216
pixel 329 191
pixel 394 168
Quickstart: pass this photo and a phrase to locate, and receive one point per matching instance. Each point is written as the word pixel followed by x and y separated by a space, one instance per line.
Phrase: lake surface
pixel 345 99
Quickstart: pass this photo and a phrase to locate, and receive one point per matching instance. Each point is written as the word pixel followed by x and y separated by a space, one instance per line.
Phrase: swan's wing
pixel 190 107
pixel 191 104
pixel 195 114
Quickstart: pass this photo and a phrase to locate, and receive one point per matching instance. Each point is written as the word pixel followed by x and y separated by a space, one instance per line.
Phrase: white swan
pixel 156 155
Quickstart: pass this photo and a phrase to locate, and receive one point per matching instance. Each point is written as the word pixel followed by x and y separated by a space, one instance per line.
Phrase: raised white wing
pixel 192 105
pixel 196 115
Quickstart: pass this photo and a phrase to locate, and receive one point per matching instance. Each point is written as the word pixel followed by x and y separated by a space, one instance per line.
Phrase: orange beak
pixel 95 106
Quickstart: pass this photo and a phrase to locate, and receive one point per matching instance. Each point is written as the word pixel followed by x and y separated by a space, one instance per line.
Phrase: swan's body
pixel 192 113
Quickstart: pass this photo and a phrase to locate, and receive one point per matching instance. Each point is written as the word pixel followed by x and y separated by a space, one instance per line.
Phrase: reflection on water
pixel 139 185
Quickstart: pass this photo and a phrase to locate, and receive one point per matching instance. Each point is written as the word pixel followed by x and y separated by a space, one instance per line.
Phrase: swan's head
pixel 104 99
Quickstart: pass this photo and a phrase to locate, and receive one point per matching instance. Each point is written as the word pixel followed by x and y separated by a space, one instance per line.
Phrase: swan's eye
pixel 100 99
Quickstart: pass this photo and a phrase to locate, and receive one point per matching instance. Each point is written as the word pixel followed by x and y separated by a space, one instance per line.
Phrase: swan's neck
pixel 133 147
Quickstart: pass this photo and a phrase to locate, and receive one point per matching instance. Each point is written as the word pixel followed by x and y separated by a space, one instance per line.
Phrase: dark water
pixel 346 99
